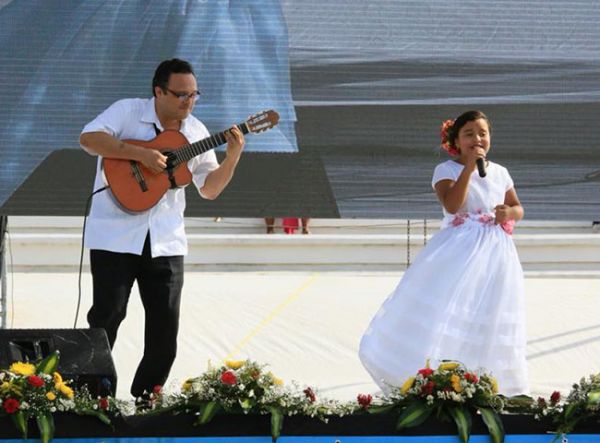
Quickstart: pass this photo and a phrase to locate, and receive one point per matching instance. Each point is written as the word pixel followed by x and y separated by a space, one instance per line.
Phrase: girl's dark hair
pixel 462 120
pixel 168 67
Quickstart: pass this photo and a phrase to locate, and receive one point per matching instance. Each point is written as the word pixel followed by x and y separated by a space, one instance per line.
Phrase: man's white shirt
pixel 111 228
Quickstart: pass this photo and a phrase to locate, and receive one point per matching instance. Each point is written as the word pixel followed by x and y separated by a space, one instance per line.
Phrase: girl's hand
pixel 472 154
pixel 503 213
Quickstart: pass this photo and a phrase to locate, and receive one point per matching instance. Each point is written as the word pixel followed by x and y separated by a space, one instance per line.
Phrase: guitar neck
pixel 188 152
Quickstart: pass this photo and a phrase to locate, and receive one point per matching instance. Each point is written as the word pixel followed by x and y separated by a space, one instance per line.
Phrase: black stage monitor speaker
pixel 85 356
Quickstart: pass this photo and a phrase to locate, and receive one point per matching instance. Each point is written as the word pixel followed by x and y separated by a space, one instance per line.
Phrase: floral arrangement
pixel 450 392
pixel 445 144
pixel 582 403
pixel 240 386
pixel 38 391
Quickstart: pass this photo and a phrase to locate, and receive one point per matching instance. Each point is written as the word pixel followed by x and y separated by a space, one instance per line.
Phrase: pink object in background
pixel 290 224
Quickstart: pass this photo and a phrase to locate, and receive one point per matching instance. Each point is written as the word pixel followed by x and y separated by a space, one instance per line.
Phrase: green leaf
pixel 380 409
pixel 246 403
pixel 98 414
pixel 176 408
pixel 594 397
pixel 570 410
pixel 19 418
pixel 46 426
pixel 49 364
pixel 493 423
pixel 462 418
pixel 413 415
pixel 276 422
pixel 519 402
pixel 207 411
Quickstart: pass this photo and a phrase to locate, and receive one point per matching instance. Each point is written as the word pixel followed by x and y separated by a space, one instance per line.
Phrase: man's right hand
pixel 152 159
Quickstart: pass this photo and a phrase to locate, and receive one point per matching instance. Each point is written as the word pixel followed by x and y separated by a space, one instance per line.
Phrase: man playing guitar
pixel 148 246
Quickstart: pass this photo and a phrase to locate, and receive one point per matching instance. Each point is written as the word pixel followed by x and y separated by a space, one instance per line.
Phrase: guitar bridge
pixel 137 174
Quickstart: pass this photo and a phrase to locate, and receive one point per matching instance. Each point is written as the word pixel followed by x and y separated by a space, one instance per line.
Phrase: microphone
pixel 481 167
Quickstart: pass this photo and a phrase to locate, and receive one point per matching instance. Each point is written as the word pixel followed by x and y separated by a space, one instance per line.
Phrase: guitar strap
pixel 169 165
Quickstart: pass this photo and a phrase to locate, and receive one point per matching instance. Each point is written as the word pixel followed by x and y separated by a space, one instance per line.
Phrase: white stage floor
pixel 307 326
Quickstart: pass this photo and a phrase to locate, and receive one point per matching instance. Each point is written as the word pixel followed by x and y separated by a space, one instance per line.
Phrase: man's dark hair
pixel 168 67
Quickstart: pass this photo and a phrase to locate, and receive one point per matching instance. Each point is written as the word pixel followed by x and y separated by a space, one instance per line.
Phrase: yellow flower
pixel 407 385
pixel 51 396
pixel 21 368
pixel 455 380
pixel 65 390
pixel 5 386
pixel 234 364
pixel 494 385
pixel 449 366
pixel 187 385
pixel 277 381
pixel 57 378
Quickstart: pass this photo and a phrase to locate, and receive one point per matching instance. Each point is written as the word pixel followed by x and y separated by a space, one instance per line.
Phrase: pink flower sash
pixel 487 219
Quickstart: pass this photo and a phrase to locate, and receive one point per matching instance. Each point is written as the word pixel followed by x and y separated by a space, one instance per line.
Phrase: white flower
pixel 251 393
pixel 456 397
pixel 241 386
pixel 24 405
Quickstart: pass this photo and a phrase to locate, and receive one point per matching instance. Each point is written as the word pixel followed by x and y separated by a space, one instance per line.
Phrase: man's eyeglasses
pixel 184 96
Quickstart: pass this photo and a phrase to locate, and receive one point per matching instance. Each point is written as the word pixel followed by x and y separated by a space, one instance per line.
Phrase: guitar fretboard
pixel 188 152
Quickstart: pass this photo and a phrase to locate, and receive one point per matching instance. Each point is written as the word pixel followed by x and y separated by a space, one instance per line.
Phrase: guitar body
pixel 136 188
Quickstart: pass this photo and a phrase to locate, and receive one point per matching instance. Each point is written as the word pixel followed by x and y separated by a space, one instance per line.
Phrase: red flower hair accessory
pixel 446 125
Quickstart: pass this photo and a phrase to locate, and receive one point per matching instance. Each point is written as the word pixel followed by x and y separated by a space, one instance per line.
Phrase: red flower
pixel 228 378
pixel 364 400
pixel 471 377
pixel 310 394
pixel 426 372
pixel 427 388
pixel 11 405
pixel 157 389
pixel 35 381
pixel 103 404
pixel 446 125
pixel 554 398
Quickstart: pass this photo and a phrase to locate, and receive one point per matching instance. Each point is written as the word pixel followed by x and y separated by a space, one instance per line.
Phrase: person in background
pixel 290 225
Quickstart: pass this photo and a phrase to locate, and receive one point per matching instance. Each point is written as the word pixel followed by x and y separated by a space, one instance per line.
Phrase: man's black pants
pixel 160 281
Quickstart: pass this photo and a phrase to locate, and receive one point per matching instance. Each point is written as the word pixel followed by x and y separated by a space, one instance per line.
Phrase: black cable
pixel 87 208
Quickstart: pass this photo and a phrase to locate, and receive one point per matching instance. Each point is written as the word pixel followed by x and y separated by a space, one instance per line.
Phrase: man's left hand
pixel 235 142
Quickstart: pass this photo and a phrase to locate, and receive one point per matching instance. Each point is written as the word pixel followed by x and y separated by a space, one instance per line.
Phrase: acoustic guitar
pixel 137 189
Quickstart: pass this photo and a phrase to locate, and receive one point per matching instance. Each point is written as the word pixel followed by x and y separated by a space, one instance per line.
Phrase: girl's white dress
pixel 461 299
